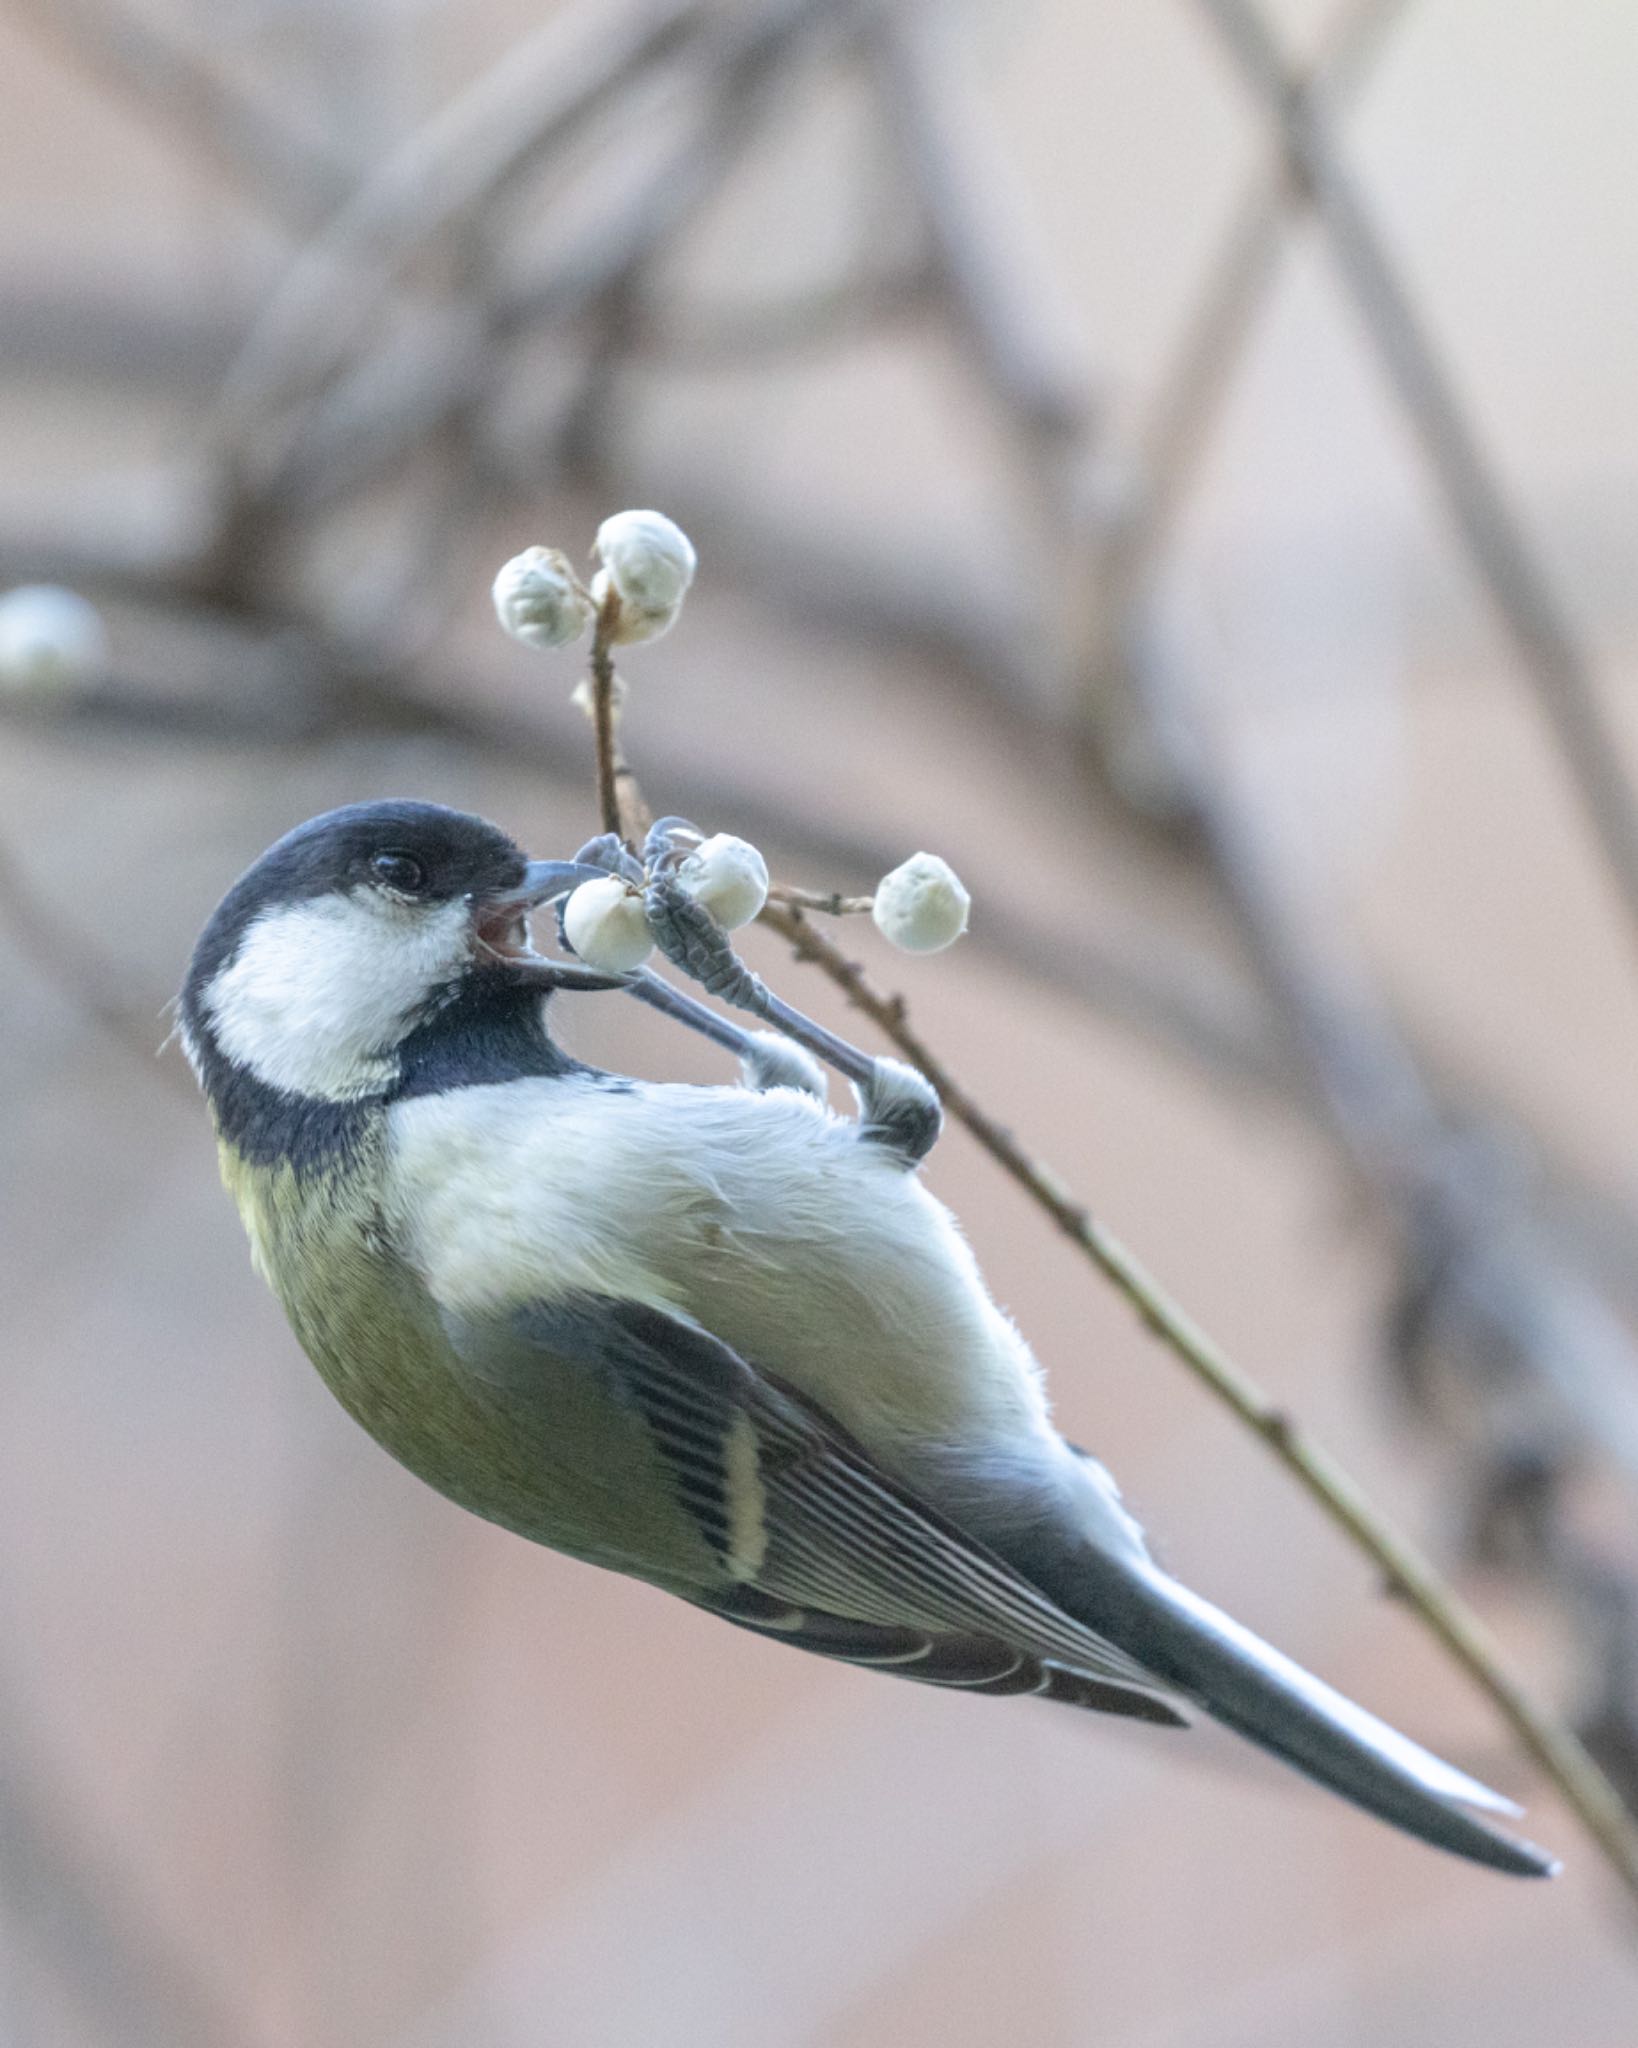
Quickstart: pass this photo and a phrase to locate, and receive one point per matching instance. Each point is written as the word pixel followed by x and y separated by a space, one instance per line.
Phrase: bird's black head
pixel 332 957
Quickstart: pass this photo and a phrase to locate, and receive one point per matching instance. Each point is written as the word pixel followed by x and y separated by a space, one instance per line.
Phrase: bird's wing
pixel 809 1540
pixel 968 1663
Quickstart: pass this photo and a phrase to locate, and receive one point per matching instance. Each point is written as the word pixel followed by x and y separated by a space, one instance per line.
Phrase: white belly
pixel 761 1216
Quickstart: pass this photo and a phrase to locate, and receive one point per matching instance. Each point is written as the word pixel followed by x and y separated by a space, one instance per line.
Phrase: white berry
pixel 539 599
pixel 728 877
pixel 921 907
pixel 52 641
pixel 648 562
pixel 605 923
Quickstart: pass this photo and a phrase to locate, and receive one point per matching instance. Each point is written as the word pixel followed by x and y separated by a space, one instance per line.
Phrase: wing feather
pixel 813 1541
pixel 974 1663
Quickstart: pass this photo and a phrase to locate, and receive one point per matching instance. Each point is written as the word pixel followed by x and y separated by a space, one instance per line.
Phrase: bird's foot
pixel 669 843
pixel 900 1111
pixel 692 940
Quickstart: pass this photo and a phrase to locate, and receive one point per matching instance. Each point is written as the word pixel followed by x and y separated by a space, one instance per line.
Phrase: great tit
pixel 719 1338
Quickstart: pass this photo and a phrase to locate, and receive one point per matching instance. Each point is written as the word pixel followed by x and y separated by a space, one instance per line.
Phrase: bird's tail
pixel 1262 1695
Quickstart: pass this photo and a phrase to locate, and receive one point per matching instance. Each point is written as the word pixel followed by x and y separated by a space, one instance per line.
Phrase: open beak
pixel 502 922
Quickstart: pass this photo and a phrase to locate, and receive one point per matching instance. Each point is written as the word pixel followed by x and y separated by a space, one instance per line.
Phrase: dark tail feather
pixel 1273 1702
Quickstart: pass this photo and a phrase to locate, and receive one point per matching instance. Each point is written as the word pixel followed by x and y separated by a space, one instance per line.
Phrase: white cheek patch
pixel 317 996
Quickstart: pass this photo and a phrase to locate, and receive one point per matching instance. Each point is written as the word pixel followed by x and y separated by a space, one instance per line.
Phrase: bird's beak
pixel 545 879
pixel 501 921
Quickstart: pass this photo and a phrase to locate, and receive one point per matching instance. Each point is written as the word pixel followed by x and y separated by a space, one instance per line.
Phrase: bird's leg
pixel 766 1059
pixel 899 1109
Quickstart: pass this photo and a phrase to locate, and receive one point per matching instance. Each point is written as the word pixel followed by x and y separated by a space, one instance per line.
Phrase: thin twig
pixel 833 904
pixel 620 804
pixel 1506 1320
pixel 1555 1749
pixel 307 687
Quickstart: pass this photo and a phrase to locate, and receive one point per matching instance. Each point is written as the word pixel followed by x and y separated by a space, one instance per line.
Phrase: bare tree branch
pixel 976 258
pixel 535 100
pixel 1519 588
pixel 1552 1745
pixel 186 98
pixel 1176 432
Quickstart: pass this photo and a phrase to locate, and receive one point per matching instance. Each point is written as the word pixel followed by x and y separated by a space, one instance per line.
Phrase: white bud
pixel 921 906
pixel 539 599
pixel 728 877
pixel 605 923
pixel 630 625
pixel 52 641
pixel 649 562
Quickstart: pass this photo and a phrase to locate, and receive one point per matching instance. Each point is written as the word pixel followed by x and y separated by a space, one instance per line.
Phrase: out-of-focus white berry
pixel 921 906
pixel 649 561
pixel 606 925
pixel 539 599
pixel 52 641
pixel 649 558
pixel 629 625
pixel 728 877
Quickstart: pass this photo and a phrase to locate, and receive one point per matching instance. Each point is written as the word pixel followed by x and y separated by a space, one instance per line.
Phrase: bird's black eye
pixel 400 872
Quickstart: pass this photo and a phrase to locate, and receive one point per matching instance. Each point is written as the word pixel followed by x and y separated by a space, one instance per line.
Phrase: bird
pixel 721 1338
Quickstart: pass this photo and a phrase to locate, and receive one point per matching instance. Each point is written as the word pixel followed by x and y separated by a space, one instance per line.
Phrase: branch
pixel 299 685
pixel 835 904
pixel 185 96
pixel 620 804
pixel 1176 432
pixel 536 99
pixel 1519 588
pixel 939 132
pixel 1561 1757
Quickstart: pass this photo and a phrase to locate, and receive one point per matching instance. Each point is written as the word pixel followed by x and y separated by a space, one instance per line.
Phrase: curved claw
pixel 610 853
pixel 669 841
